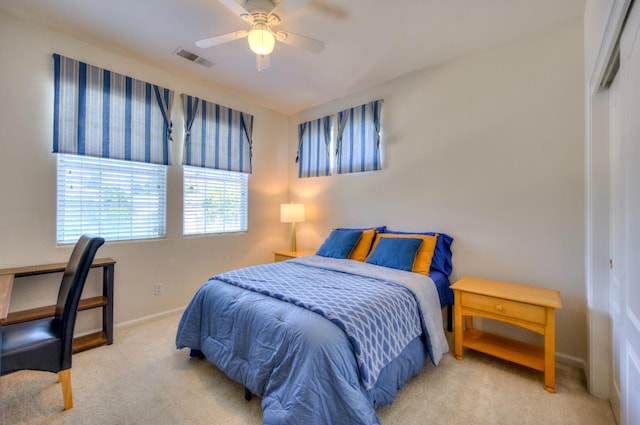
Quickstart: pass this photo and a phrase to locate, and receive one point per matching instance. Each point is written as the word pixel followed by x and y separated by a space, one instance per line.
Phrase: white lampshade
pixel 261 40
pixel 291 213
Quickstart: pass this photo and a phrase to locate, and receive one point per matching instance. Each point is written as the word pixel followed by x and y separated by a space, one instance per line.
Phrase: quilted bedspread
pixel 322 363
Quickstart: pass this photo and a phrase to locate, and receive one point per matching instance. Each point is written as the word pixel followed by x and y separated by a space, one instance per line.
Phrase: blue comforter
pixel 306 368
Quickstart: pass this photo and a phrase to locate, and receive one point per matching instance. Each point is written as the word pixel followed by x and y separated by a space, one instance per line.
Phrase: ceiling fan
pixel 263 16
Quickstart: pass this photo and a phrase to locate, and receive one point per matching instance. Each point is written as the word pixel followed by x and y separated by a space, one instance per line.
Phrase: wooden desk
pixel 529 307
pixel 7 277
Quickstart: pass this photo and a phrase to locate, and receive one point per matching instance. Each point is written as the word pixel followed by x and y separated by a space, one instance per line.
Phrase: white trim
pixel 598 364
pixel 136 322
pixel 150 318
pixel 610 36
pixel 571 361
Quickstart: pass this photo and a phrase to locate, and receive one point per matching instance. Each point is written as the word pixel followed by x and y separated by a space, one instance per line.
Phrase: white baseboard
pixel 145 319
pixel 571 361
pixel 135 322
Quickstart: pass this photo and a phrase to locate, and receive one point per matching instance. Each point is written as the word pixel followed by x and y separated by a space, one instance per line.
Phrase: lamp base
pixel 293 247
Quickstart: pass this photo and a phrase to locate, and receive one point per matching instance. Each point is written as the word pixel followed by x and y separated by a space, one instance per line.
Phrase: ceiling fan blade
pixel 288 7
pixel 220 39
pixel 235 7
pixel 262 62
pixel 297 40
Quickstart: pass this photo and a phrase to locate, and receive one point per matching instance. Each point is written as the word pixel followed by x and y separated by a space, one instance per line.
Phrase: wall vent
pixel 193 58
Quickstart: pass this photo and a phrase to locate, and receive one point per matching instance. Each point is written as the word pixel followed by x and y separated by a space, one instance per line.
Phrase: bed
pixel 321 339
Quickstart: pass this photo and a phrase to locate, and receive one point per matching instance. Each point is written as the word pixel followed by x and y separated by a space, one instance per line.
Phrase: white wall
pixel 488 149
pixel 28 183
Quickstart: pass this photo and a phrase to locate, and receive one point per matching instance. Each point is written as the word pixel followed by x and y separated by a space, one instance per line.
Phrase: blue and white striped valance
pixel 216 136
pixel 314 148
pixel 358 139
pixel 108 115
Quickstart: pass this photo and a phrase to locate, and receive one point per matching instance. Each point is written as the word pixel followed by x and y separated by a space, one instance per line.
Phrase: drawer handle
pixel 499 307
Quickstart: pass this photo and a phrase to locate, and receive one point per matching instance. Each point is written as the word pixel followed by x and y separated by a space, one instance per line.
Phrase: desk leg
pixel 107 310
pixel 550 352
pixel 457 325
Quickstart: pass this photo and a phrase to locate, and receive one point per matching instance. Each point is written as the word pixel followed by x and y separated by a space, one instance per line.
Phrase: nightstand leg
pixel 457 325
pixel 550 352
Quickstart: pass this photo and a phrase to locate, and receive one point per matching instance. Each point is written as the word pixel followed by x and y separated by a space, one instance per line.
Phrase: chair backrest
pixel 70 291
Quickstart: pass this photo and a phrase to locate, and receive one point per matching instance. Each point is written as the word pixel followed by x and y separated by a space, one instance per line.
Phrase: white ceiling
pixel 367 42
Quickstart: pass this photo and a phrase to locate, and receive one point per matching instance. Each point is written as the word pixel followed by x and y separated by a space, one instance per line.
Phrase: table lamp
pixel 292 213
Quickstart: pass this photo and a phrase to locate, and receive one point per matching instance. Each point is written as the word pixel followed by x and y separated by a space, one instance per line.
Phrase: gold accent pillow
pixel 361 250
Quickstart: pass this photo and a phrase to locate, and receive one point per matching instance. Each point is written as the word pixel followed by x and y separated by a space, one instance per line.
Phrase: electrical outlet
pixel 157 289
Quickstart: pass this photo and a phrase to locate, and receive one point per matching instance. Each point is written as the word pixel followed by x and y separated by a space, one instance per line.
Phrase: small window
pixel 215 201
pixel 118 200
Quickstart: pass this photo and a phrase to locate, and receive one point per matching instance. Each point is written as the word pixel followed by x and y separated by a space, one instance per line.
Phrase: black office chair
pixel 47 344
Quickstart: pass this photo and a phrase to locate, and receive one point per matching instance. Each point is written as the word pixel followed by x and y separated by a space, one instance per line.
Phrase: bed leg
pixel 450 317
pixel 196 353
pixel 247 394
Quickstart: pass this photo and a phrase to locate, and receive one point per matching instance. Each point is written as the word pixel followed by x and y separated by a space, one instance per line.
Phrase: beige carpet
pixel 142 379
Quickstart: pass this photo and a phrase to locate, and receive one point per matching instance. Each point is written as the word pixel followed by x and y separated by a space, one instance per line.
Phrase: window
pixel 111 133
pixel 315 149
pixel 354 149
pixel 215 201
pixel 217 162
pixel 358 138
pixel 118 200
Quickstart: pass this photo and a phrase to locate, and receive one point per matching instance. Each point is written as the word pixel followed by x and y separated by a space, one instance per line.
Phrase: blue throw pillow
pixel 396 253
pixel 339 244
pixel 441 260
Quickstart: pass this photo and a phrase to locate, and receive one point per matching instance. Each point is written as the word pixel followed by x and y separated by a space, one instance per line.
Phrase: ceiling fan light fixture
pixel 261 40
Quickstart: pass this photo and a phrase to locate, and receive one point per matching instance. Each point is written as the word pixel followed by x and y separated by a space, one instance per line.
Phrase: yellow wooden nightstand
pixel 530 307
pixel 285 254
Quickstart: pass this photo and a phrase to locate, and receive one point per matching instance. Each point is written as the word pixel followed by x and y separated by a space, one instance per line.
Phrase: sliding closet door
pixel 618 240
pixel 626 267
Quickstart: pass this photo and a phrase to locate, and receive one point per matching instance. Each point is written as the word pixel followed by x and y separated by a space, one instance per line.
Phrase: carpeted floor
pixel 143 379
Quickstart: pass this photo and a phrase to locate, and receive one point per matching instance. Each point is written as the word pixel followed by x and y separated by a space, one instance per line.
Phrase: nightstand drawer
pixel 505 308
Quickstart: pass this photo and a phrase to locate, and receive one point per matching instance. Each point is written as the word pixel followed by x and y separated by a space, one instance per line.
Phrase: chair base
pixel 64 377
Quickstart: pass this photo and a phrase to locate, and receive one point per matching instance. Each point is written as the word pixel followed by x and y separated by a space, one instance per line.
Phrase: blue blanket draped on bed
pixel 301 364
pixel 379 317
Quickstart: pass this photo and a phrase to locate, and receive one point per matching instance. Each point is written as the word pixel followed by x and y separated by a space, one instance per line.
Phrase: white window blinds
pixel 215 201
pixel 115 199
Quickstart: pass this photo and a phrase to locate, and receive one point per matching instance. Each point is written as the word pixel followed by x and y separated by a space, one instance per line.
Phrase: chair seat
pixel 34 345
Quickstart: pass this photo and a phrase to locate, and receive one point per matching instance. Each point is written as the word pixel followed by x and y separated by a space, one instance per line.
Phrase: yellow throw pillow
pixel 361 250
pixel 422 263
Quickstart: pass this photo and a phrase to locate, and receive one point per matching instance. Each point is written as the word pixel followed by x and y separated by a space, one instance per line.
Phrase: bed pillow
pixel 339 244
pixel 362 248
pixel 441 260
pixel 422 263
pixel 396 253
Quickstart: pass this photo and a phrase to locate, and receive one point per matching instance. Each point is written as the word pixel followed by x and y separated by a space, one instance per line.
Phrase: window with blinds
pixel 118 200
pixel 215 201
